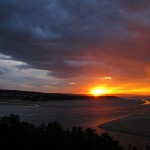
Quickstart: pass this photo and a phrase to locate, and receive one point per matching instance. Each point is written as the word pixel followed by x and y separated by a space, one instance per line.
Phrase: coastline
pixel 138 124
pixel 17 102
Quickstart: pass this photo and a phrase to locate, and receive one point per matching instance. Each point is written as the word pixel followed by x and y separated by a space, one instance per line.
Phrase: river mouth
pixel 77 113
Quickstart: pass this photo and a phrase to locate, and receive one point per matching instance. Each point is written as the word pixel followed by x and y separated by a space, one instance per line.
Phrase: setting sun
pixel 97 91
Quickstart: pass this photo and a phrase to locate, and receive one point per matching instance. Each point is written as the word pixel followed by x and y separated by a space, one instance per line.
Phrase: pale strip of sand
pixel 138 124
pixel 16 102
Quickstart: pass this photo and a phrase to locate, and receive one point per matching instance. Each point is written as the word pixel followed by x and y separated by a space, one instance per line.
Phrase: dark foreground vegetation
pixel 37 96
pixel 19 135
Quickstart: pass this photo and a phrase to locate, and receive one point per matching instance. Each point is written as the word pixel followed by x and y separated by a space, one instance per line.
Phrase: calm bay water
pixel 79 113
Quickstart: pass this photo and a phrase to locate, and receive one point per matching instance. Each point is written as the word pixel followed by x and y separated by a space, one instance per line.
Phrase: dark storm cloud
pixel 135 5
pixel 1 72
pixel 4 71
pixel 47 34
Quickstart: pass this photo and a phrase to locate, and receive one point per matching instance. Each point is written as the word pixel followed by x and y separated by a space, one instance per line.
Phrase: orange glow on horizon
pixel 115 86
pixel 124 89
pixel 97 91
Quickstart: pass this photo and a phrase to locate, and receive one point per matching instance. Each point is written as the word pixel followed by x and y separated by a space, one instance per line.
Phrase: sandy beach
pixel 138 124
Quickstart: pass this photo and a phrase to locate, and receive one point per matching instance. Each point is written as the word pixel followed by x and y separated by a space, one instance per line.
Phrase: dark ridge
pixel 38 96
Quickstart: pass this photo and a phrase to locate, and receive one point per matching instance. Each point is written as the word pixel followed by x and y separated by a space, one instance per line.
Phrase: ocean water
pixel 90 113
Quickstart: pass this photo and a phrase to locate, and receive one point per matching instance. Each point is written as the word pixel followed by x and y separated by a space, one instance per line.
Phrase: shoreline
pixel 19 103
pixel 138 124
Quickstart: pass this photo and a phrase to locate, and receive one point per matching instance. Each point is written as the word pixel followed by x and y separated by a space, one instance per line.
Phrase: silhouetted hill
pixel 37 96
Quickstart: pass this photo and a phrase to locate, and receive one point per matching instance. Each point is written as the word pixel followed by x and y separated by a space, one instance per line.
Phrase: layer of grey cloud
pixel 50 34
pixel 135 5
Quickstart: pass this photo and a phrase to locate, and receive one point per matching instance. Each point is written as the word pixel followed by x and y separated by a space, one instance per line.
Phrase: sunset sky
pixel 74 46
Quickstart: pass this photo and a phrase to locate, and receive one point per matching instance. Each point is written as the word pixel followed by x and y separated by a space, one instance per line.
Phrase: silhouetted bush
pixel 19 135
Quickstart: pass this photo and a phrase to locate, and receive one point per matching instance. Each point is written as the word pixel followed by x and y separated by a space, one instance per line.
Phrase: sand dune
pixel 136 124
